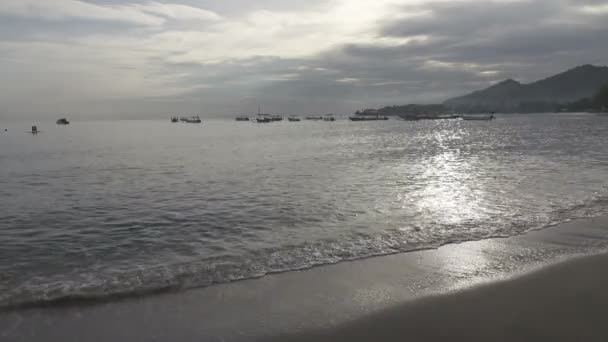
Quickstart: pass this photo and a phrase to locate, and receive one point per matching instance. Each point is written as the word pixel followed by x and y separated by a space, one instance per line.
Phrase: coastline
pixel 566 301
pixel 330 301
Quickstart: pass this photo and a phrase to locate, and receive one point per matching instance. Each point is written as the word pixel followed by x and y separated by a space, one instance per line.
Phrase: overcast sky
pixel 222 57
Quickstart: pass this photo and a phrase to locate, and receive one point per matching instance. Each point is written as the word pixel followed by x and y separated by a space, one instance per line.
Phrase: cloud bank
pixel 151 58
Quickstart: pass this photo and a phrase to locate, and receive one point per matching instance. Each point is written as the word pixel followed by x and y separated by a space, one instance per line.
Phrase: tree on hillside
pixel 601 98
pixel 581 105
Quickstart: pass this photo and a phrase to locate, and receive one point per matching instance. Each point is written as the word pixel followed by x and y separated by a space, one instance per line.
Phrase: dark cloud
pixel 461 18
pixel 467 45
pixel 453 48
pixel 503 32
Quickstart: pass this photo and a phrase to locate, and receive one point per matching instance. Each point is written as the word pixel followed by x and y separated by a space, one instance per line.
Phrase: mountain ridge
pixel 512 96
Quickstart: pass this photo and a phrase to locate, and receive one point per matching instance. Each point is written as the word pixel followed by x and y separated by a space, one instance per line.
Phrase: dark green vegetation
pixel 430 109
pixel 600 100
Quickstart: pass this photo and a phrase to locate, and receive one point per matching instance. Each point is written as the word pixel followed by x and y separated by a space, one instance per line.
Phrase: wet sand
pixel 534 287
pixel 563 302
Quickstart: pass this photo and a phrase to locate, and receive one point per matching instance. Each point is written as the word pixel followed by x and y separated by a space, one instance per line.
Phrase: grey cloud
pixel 526 40
pixel 231 7
pixel 467 46
pixel 19 29
pixel 462 18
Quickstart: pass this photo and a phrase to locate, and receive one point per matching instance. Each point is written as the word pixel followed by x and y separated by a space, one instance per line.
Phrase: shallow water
pixel 104 208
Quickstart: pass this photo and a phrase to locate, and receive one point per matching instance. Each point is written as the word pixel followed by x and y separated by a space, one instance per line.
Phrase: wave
pixel 112 284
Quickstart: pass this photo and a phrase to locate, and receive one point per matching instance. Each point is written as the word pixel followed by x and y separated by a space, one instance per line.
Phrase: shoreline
pixel 320 300
pixel 565 301
pixel 91 300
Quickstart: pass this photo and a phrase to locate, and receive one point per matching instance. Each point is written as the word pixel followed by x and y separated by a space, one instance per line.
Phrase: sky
pixel 135 58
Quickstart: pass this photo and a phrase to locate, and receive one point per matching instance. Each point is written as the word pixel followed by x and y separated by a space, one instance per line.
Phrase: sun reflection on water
pixel 451 190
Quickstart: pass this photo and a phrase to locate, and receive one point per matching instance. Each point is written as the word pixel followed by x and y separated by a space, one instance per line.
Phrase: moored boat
pixel 63 121
pixel 368 115
pixel 367 118
pixel 194 119
pixel 293 118
pixel 263 118
pixel 314 118
pixel 242 118
pixel 486 117
pixel 416 117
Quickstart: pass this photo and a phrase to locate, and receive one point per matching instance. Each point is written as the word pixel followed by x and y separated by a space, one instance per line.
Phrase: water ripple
pixel 90 215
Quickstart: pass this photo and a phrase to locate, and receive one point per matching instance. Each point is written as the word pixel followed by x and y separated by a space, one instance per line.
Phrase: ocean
pixel 100 209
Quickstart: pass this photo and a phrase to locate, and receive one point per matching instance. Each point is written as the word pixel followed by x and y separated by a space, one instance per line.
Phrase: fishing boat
pixel 416 117
pixel 314 118
pixel 293 119
pixel 367 118
pixel 263 118
pixel 266 118
pixel 368 115
pixel 487 117
pixel 63 121
pixel 194 119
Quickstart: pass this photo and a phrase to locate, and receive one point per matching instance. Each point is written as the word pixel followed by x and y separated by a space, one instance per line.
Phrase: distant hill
pixel 428 109
pixel 544 95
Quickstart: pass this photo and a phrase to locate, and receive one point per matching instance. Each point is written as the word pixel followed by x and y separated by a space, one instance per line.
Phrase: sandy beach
pixel 562 302
pixel 547 285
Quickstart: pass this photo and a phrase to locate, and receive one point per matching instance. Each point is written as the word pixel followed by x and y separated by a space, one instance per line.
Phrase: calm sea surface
pixel 98 209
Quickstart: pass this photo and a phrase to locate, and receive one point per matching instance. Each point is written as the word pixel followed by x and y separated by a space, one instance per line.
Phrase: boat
pixel 329 117
pixel 34 130
pixel 314 118
pixel 194 119
pixel 486 117
pixel 368 115
pixel 367 118
pixel 174 119
pixel 293 118
pixel 416 117
pixel 242 118
pixel 263 118
pixel 266 118
pixel 63 121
